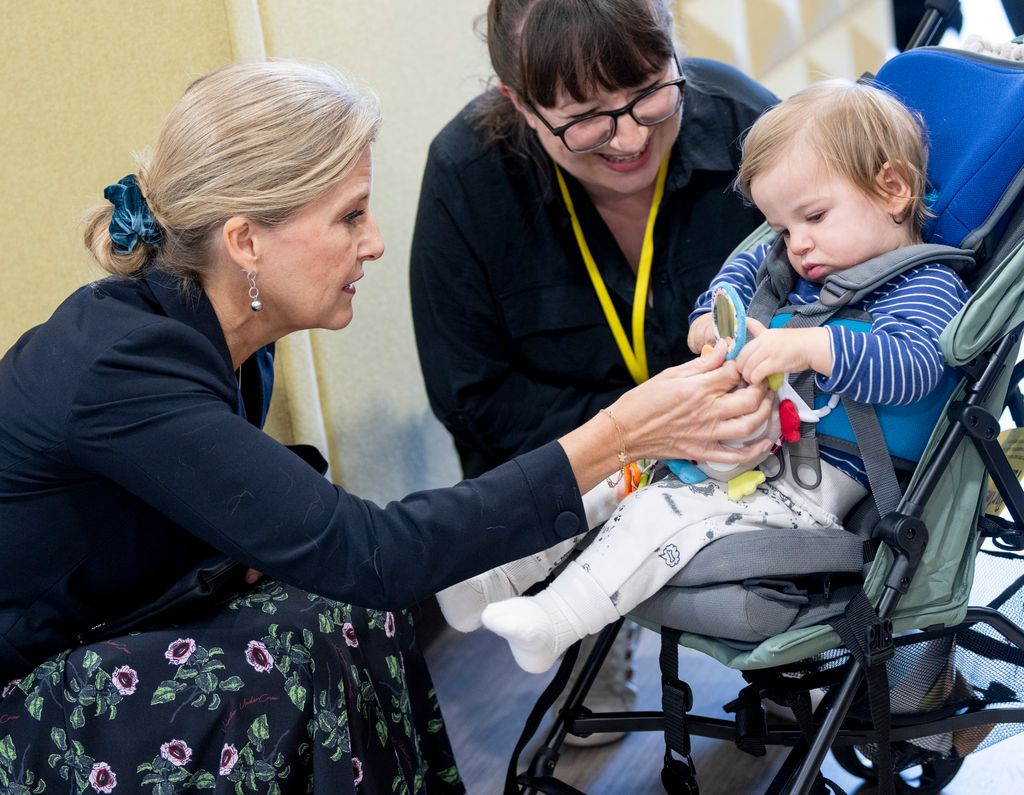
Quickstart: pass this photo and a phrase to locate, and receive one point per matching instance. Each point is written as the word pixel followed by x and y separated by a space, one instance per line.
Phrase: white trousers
pixel 657 530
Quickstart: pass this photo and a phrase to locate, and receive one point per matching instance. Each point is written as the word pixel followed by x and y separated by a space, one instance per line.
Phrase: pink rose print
pixel 259 657
pixel 228 758
pixel 180 650
pixel 350 634
pixel 102 778
pixel 389 624
pixel 10 688
pixel 357 770
pixel 125 680
pixel 176 752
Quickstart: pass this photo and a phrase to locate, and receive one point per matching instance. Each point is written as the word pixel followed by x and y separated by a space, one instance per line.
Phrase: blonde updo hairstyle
pixel 260 140
pixel 854 129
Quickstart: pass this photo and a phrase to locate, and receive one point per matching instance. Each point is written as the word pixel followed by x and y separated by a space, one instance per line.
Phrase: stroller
pixel 877 616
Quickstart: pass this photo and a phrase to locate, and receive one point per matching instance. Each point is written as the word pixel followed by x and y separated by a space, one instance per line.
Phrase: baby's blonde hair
pixel 855 129
pixel 260 140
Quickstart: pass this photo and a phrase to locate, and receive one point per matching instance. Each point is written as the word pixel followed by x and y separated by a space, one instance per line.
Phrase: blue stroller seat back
pixel 971 105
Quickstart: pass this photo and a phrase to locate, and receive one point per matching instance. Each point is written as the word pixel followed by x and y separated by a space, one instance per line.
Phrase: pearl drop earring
pixel 254 292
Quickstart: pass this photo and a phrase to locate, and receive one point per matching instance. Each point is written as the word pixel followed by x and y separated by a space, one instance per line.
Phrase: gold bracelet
pixel 623 455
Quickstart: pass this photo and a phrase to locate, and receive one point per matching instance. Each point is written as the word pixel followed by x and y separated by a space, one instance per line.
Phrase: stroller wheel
pixel 926 778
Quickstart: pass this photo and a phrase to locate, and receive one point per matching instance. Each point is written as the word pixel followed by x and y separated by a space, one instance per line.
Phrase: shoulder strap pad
pixel 775 279
pixel 851 285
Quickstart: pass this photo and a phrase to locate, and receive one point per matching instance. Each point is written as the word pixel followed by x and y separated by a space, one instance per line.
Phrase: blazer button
pixel 567 524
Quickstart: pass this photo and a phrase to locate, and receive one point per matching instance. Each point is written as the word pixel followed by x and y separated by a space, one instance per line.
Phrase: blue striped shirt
pixel 897 362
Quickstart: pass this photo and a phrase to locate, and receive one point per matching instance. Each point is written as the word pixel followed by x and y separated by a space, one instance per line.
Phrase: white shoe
pixel 613 689
pixel 462 604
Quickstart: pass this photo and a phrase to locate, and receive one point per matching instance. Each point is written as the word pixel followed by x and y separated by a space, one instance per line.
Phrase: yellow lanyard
pixel 634 356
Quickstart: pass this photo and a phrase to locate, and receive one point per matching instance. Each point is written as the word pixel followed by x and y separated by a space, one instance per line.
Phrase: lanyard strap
pixel 635 356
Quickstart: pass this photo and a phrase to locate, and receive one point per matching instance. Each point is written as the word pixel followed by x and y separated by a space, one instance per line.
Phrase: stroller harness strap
pixel 878 432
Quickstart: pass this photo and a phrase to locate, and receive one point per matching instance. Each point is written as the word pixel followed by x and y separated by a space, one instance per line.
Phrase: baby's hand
pixel 785 350
pixel 702 332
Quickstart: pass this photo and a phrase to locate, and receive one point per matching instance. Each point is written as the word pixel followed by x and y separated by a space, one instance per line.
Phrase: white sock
pixel 540 628
pixel 463 602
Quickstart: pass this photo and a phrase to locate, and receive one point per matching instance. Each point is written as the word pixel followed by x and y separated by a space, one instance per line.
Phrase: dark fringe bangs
pixel 582 47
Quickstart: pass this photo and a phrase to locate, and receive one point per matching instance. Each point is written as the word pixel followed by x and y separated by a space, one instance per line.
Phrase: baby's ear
pixel 894 183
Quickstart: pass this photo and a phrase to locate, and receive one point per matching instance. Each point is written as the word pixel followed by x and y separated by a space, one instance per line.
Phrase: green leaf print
pixel 7 752
pixel 34 705
pixel 17 782
pixel 91 661
pixel 167 691
pixel 206 682
pixel 296 692
pixel 259 731
pixel 59 739
pixel 449 775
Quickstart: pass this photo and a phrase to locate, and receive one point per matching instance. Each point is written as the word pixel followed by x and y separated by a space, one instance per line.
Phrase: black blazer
pixel 125 458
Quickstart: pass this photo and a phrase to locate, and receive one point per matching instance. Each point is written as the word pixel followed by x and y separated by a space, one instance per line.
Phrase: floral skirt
pixel 279 692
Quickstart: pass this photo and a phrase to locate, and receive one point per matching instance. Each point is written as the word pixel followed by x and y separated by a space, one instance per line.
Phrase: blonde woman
pixel 133 469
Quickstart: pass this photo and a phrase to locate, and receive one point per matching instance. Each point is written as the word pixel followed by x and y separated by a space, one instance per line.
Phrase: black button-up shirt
pixel 513 343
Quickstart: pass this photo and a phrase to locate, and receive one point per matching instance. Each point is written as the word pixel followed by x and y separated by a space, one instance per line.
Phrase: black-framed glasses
pixel 653 106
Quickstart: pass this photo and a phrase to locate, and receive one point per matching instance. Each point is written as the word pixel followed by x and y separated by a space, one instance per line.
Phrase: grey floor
pixel 486 698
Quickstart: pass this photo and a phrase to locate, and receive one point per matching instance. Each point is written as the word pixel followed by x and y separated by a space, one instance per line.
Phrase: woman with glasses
pixel 568 220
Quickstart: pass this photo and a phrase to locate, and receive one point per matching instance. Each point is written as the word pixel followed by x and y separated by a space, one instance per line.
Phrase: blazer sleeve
pixel 152 415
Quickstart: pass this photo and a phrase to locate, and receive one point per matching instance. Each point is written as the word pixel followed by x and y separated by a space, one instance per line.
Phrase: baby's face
pixel 829 224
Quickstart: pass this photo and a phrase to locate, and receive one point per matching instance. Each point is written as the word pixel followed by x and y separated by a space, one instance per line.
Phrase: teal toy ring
pixel 729 318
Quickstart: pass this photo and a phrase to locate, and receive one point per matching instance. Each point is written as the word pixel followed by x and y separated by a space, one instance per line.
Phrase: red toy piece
pixel 789 419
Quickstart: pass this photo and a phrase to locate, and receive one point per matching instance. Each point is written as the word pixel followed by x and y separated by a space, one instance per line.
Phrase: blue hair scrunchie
pixel 132 220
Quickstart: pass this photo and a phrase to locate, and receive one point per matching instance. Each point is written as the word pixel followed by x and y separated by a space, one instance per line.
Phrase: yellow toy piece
pixel 775 381
pixel 744 484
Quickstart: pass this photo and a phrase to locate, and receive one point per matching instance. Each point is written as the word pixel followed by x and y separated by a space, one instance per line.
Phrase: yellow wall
pixel 83 84
pixel 87 82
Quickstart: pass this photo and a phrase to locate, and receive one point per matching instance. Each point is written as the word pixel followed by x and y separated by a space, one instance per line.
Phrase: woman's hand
pixel 683 412
pixel 687 411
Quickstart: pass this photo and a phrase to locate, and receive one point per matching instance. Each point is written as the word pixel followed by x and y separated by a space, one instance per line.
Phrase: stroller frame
pixel 904 533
